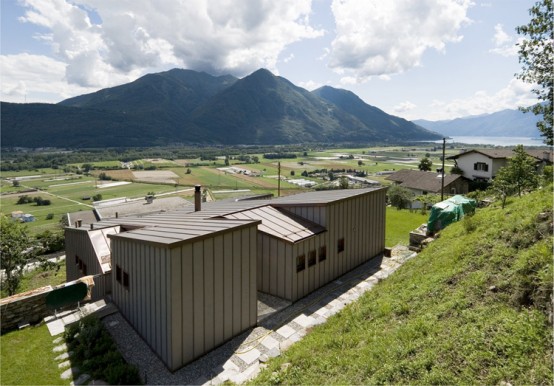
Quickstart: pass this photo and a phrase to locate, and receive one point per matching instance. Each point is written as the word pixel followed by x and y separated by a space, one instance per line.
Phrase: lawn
pixel 399 225
pixel 27 358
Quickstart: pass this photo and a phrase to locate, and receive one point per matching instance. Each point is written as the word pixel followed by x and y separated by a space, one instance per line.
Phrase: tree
pixel 399 197
pixel 536 57
pixel 517 176
pixel 425 164
pixel 360 162
pixel 343 183
pixel 15 249
pixel 15 183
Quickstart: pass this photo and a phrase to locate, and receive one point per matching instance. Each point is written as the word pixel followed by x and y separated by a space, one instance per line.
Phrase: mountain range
pixel 505 123
pixel 188 107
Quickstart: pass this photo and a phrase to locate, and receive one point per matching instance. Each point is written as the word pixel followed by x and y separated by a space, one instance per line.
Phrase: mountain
pixel 375 119
pixel 184 106
pixel 505 123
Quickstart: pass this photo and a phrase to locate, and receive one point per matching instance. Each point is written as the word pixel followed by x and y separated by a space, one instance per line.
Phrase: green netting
pixel 448 211
pixel 66 296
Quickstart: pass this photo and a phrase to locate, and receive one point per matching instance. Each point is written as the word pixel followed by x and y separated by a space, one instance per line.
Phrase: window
pixel 322 253
pixel 118 273
pixel 340 245
pixel 126 280
pixel 311 258
pixel 300 263
pixel 80 264
pixel 76 259
pixel 482 166
pixel 84 270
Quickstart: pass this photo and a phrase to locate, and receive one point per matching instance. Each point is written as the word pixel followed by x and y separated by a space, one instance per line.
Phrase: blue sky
pixel 428 59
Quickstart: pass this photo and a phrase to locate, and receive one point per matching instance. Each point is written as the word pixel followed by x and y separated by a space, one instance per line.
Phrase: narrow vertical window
pixel 126 280
pixel 340 245
pixel 322 253
pixel 312 258
pixel 300 263
pixel 118 273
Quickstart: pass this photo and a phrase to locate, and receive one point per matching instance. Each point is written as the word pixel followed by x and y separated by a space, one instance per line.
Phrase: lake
pixel 497 141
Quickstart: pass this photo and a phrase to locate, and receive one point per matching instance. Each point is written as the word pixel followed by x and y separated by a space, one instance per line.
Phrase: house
pixel 421 183
pixel 483 164
pixel 187 279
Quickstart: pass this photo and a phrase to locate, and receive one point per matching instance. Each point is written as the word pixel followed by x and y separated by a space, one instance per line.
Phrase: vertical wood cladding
pixel 358 221
pixel 186 300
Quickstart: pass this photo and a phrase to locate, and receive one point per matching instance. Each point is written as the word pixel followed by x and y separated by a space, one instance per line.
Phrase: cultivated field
pixel 70 192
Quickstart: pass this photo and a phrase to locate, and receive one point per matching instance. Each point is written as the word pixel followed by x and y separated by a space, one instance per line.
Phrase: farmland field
pixel 73 191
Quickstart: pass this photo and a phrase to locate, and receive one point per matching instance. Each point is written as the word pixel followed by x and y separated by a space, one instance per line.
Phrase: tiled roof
pixel 506 153
pixel 426 181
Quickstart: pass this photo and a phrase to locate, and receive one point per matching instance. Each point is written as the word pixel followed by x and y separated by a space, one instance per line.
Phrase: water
pixel 497 141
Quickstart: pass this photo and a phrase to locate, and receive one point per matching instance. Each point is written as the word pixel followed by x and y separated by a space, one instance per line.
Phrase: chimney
pixel 78 223
pixel 197 198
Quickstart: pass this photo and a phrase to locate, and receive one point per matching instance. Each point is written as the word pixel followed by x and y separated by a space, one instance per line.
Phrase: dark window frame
pixel 125 280
pixel 300 262
pixel 118 273
pixel 481 166
pixel 312 260
pixel 340 245
pixel 322 253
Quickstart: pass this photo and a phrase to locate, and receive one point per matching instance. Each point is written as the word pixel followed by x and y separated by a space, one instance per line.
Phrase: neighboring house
pixel 187 279
pixel 28 218
pixel 421 183
pixel 483 164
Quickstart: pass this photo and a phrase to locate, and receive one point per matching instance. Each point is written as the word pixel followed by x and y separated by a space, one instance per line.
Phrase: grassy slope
pixel 472 308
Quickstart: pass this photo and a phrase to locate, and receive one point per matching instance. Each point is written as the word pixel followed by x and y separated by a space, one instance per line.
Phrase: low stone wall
pixel 30 307
pixel 25 308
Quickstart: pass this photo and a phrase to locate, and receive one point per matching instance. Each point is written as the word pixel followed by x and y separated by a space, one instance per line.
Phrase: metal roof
pixel 321 197
pixel 185 224
pixel 506 154
pixel 280 224
pixel 172 234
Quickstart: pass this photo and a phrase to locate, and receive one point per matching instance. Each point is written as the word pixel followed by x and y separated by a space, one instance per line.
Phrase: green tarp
pixel 448 211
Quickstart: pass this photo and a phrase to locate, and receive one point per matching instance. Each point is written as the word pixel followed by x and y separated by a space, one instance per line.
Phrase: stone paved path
pixel 243 357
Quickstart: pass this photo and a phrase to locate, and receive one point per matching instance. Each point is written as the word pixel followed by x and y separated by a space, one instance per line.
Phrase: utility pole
pixel 442 179
pixel 279 179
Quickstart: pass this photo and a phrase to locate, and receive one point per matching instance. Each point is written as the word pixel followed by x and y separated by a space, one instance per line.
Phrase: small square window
pixel 118 273
pixel 312 258
pixel 125 280
pixel 322 253
pixel 340 245
pixel 300 263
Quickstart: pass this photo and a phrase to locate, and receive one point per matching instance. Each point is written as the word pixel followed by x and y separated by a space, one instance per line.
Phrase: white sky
pixel 429 59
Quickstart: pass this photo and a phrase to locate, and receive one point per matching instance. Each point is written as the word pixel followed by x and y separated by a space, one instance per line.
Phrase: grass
pixel 399 225
pixel 27 358
pixel 472 308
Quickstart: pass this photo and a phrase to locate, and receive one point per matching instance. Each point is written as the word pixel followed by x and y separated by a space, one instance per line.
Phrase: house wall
pixel 467 161
pixel 187 300
pixel 359 220
pixel 276 267
pixel 78 246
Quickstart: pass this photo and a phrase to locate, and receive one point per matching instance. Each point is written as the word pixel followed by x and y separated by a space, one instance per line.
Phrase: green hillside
pixel 472 308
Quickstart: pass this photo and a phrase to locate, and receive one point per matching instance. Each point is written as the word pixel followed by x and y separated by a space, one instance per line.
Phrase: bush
pixel 24 200
pixel 96 353
pixel 50 216
pixel 97 197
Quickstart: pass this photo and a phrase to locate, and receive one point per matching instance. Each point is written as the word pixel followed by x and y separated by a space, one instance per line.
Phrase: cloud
pixel 310 85
pixel 134 36
pixel 514 95
pixel 376 37
pixel 503 43
pixel 35 78
pixel 404 107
